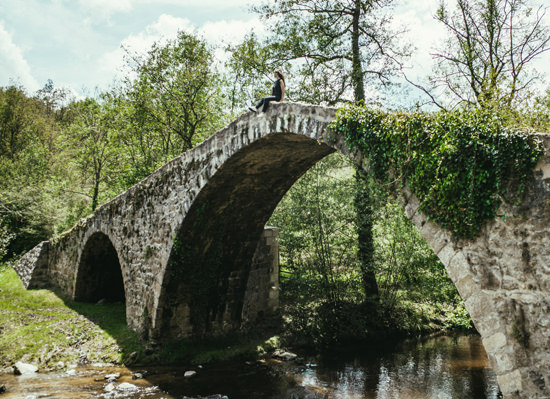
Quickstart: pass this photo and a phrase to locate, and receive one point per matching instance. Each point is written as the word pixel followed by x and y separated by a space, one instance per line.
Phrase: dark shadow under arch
pixel 99 273
pixel 206 276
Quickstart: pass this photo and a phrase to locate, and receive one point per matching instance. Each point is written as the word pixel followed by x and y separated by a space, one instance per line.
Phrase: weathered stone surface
pixel 262 290
pixel 179 247
pixel 32 267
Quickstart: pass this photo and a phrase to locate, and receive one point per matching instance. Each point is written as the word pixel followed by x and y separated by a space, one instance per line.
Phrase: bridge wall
pixel 237 177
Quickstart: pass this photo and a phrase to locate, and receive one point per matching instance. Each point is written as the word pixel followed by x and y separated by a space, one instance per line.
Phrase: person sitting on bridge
pixel 277 93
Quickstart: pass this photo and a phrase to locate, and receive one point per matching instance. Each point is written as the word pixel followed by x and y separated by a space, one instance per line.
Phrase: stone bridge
pixel 179 246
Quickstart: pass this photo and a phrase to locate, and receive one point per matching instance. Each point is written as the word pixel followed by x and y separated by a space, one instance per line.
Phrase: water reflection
pixel 441 368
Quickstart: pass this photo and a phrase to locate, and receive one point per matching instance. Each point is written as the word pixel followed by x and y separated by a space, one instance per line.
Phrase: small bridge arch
pixel 99 274
pixel 209 206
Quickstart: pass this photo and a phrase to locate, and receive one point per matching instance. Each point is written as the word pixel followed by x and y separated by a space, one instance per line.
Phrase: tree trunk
pixel 364 201
pixel 364 218
pixel 357 68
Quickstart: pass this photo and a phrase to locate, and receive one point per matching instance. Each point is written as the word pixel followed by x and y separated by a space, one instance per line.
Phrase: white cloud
pixel 230 32
pixel 13 64
pixel 165 28
pixel 103 9
pixel 217 33
pixel 424 33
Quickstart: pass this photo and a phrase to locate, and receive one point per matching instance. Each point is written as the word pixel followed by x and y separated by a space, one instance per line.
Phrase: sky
pixel 78 43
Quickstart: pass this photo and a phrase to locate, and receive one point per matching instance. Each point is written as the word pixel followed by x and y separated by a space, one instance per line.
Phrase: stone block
pixel 494 342
pixel 510 383
pixel 458 266
pixel 412 207
pixel 467 287
pixel 481 308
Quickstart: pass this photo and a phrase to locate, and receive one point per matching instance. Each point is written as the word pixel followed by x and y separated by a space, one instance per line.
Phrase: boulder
pixel 24 368
pixel 112 377
pixel 284 355
pixel 109 387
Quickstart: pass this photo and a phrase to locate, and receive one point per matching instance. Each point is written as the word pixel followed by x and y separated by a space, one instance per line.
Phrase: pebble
pixel 109 387
pixel 126 386
pixel 137 376
pixel 189 374
pixel 112 377
pixel 283 355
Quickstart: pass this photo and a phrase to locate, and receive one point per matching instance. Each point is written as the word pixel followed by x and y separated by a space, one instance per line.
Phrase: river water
pixel 442 367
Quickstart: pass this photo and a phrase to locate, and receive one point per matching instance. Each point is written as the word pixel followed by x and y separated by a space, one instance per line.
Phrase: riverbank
pixel 446 367
pixel 46 329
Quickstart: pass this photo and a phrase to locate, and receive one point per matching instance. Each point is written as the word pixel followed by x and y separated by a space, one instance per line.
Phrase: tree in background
pixel 488 56
pixel 27 151
pixel 249 69
pixel 339 46
pixel 90 145
pixel 318 239
pixel 175 95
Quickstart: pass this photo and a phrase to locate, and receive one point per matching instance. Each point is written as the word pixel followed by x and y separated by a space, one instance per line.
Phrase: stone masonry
pixel 184 240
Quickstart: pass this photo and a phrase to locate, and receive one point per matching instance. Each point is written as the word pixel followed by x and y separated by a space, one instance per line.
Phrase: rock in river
pixel 24 368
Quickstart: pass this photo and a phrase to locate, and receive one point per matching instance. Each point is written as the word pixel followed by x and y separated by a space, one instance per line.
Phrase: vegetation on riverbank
pixel 321 291
pixel 40 327
pixel 44 328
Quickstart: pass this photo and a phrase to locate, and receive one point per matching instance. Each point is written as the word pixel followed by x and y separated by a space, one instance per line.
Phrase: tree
pixel 176 94
pixel 491 45
pixel 90 141
pixel 318 239
pixel 341 45
pixel 248 67
pixel 27 152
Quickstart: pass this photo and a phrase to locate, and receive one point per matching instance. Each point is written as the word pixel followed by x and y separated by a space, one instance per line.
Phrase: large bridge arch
pixel 503 275
pixel 221 231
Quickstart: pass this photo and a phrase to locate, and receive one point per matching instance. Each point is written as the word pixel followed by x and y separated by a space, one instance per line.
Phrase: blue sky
pixel 77 43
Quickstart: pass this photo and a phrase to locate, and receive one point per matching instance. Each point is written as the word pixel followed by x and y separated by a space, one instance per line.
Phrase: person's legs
pixel 265 102
pixel 260 103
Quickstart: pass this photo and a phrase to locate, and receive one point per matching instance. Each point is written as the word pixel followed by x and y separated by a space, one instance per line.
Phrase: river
pixel 440 367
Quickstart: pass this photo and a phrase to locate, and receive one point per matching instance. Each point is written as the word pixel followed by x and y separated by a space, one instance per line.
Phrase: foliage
pixel 249 64
pixel 89 141
pixel 40 327
pixel 28 152
pixel 460 165
pixel 323 306
pixel 404 261
pixel 487 59
pixel 176 93
pixel 336 45
pixel 318 238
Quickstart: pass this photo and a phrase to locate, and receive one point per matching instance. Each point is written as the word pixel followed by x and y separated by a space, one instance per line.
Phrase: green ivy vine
pixel 459 164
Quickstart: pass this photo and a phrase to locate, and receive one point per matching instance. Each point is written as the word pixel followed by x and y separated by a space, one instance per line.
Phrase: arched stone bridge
pixel 178 246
